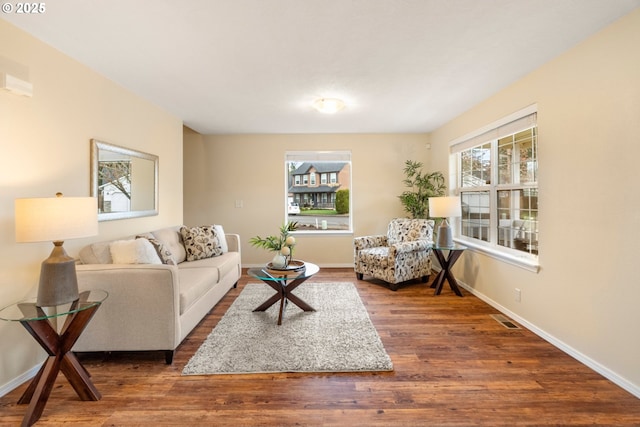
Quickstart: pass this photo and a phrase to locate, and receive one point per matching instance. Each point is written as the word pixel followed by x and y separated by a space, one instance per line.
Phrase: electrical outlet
pixel 517 295
pixel 239 203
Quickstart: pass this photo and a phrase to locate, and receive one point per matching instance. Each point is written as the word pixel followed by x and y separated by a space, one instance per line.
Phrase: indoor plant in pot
pixel 282 244
pixel 421 186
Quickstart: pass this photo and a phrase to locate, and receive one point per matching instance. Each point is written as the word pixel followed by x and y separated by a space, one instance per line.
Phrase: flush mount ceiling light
pixel 328 105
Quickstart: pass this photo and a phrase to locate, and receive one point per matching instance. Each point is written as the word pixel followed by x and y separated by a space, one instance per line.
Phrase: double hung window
pixel 497 179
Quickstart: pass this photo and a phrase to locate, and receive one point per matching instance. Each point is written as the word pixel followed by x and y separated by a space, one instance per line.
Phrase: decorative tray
pixel 294 267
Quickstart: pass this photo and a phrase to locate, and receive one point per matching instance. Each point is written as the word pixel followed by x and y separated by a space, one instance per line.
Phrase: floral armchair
pixel 403 254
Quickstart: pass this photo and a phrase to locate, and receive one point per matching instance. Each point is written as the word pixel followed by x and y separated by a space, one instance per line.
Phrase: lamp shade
pixel 444 207
pixel 55 218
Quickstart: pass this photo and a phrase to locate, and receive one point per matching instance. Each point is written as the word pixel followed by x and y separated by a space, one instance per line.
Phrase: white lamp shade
pixel 55 218
pixel 444 207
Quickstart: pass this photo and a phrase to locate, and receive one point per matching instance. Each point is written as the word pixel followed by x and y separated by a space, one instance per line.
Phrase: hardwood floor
pixel 454 365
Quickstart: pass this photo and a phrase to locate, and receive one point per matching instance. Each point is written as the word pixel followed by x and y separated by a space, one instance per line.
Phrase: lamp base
pixel 58 279
pixel 445 235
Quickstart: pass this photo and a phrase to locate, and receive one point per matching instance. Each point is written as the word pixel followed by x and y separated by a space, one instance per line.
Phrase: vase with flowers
pixel 282 244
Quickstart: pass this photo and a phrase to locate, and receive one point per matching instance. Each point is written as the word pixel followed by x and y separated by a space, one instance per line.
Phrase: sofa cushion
pixel 172 239
pixel 200 242
pixel 134 251
pixel 194 283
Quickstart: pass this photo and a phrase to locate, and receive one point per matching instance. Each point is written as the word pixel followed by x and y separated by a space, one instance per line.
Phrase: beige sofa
pixel 153 306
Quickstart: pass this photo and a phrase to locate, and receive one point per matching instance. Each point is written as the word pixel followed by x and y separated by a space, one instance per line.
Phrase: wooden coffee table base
pixel 284 294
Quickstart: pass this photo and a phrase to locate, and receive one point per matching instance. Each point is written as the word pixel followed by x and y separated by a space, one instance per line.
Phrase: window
pixel 324 206
pixel 497 178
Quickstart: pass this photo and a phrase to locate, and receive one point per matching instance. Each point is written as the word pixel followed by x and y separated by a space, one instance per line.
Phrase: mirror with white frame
pixel 124 181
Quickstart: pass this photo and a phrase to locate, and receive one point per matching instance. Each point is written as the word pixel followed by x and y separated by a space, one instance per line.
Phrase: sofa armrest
pixel 366 242
pixel 142 310
pixel 233 242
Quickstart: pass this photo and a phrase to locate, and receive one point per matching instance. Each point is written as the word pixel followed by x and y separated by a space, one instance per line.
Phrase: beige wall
pixel 586 294
pixel 45 144
pixel 222 169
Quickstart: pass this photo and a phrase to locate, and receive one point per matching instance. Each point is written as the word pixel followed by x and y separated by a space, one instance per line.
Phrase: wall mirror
pixel 124 181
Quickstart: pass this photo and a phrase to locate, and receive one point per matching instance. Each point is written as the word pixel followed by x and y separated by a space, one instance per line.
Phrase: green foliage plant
pixel 421 186
pixel 342 201
pixel 282 243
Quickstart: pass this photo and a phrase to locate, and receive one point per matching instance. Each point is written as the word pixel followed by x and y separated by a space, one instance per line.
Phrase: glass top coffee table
pixel 284 282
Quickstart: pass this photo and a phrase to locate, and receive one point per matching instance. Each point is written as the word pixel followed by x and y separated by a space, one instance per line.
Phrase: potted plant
pixel 421 186
pixel 282 244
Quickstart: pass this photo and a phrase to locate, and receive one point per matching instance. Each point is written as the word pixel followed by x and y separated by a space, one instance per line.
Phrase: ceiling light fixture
pixel 328 105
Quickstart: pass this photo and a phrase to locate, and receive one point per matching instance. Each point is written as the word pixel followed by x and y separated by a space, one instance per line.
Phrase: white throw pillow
pixel 222 239
pixel 135 251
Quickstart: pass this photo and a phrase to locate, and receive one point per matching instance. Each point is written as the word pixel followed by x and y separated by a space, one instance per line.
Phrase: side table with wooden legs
pixel 446 262
pixel 40 322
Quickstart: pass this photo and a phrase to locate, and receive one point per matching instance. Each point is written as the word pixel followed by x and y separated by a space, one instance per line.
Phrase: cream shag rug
pixel 337 337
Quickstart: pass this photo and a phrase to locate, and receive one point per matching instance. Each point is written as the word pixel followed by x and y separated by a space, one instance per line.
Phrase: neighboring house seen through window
pixel 324 204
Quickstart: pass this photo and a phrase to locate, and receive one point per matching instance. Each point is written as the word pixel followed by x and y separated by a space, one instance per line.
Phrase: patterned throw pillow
pixel 163 251
pixel 200 242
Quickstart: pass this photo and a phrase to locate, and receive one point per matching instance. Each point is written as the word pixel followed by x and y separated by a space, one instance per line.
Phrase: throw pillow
pixel 200 242
pixel 161 249
pixel 135 251
pixel 221 238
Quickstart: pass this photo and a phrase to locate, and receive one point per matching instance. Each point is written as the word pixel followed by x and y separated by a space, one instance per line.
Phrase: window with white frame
pixel 324 207
pixel 497 179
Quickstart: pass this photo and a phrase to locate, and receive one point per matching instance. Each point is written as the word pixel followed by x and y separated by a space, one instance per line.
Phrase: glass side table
pixel 446 262
pixel 284 282
pixel 40 323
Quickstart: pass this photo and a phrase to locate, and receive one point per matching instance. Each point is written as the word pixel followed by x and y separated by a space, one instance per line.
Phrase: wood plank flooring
pixel 454 365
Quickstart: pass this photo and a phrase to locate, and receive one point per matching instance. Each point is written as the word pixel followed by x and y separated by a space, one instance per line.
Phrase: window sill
pixel 322 232
pixel 518 261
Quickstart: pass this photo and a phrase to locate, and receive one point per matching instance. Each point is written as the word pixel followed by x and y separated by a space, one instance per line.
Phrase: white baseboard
pixel 582 358
pixel 19 380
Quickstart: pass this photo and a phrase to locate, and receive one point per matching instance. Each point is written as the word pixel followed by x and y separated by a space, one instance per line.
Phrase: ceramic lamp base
pixel 445 235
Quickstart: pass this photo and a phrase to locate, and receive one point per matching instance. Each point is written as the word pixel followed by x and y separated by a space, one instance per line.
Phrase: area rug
pixel 337 337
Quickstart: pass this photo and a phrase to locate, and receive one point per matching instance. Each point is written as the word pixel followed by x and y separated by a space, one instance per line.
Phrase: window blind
pixel 519 121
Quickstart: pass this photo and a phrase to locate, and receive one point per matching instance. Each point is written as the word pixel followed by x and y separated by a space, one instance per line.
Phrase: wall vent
pixel 505 321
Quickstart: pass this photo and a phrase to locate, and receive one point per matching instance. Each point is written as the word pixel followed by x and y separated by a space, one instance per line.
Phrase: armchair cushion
pixel 378 256
pixel 409 230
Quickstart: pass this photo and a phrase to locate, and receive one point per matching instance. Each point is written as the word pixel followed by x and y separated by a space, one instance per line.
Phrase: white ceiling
pixel 255 66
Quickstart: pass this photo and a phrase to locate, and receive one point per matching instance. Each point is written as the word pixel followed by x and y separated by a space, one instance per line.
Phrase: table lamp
pixel 56 219
pixel 444 207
